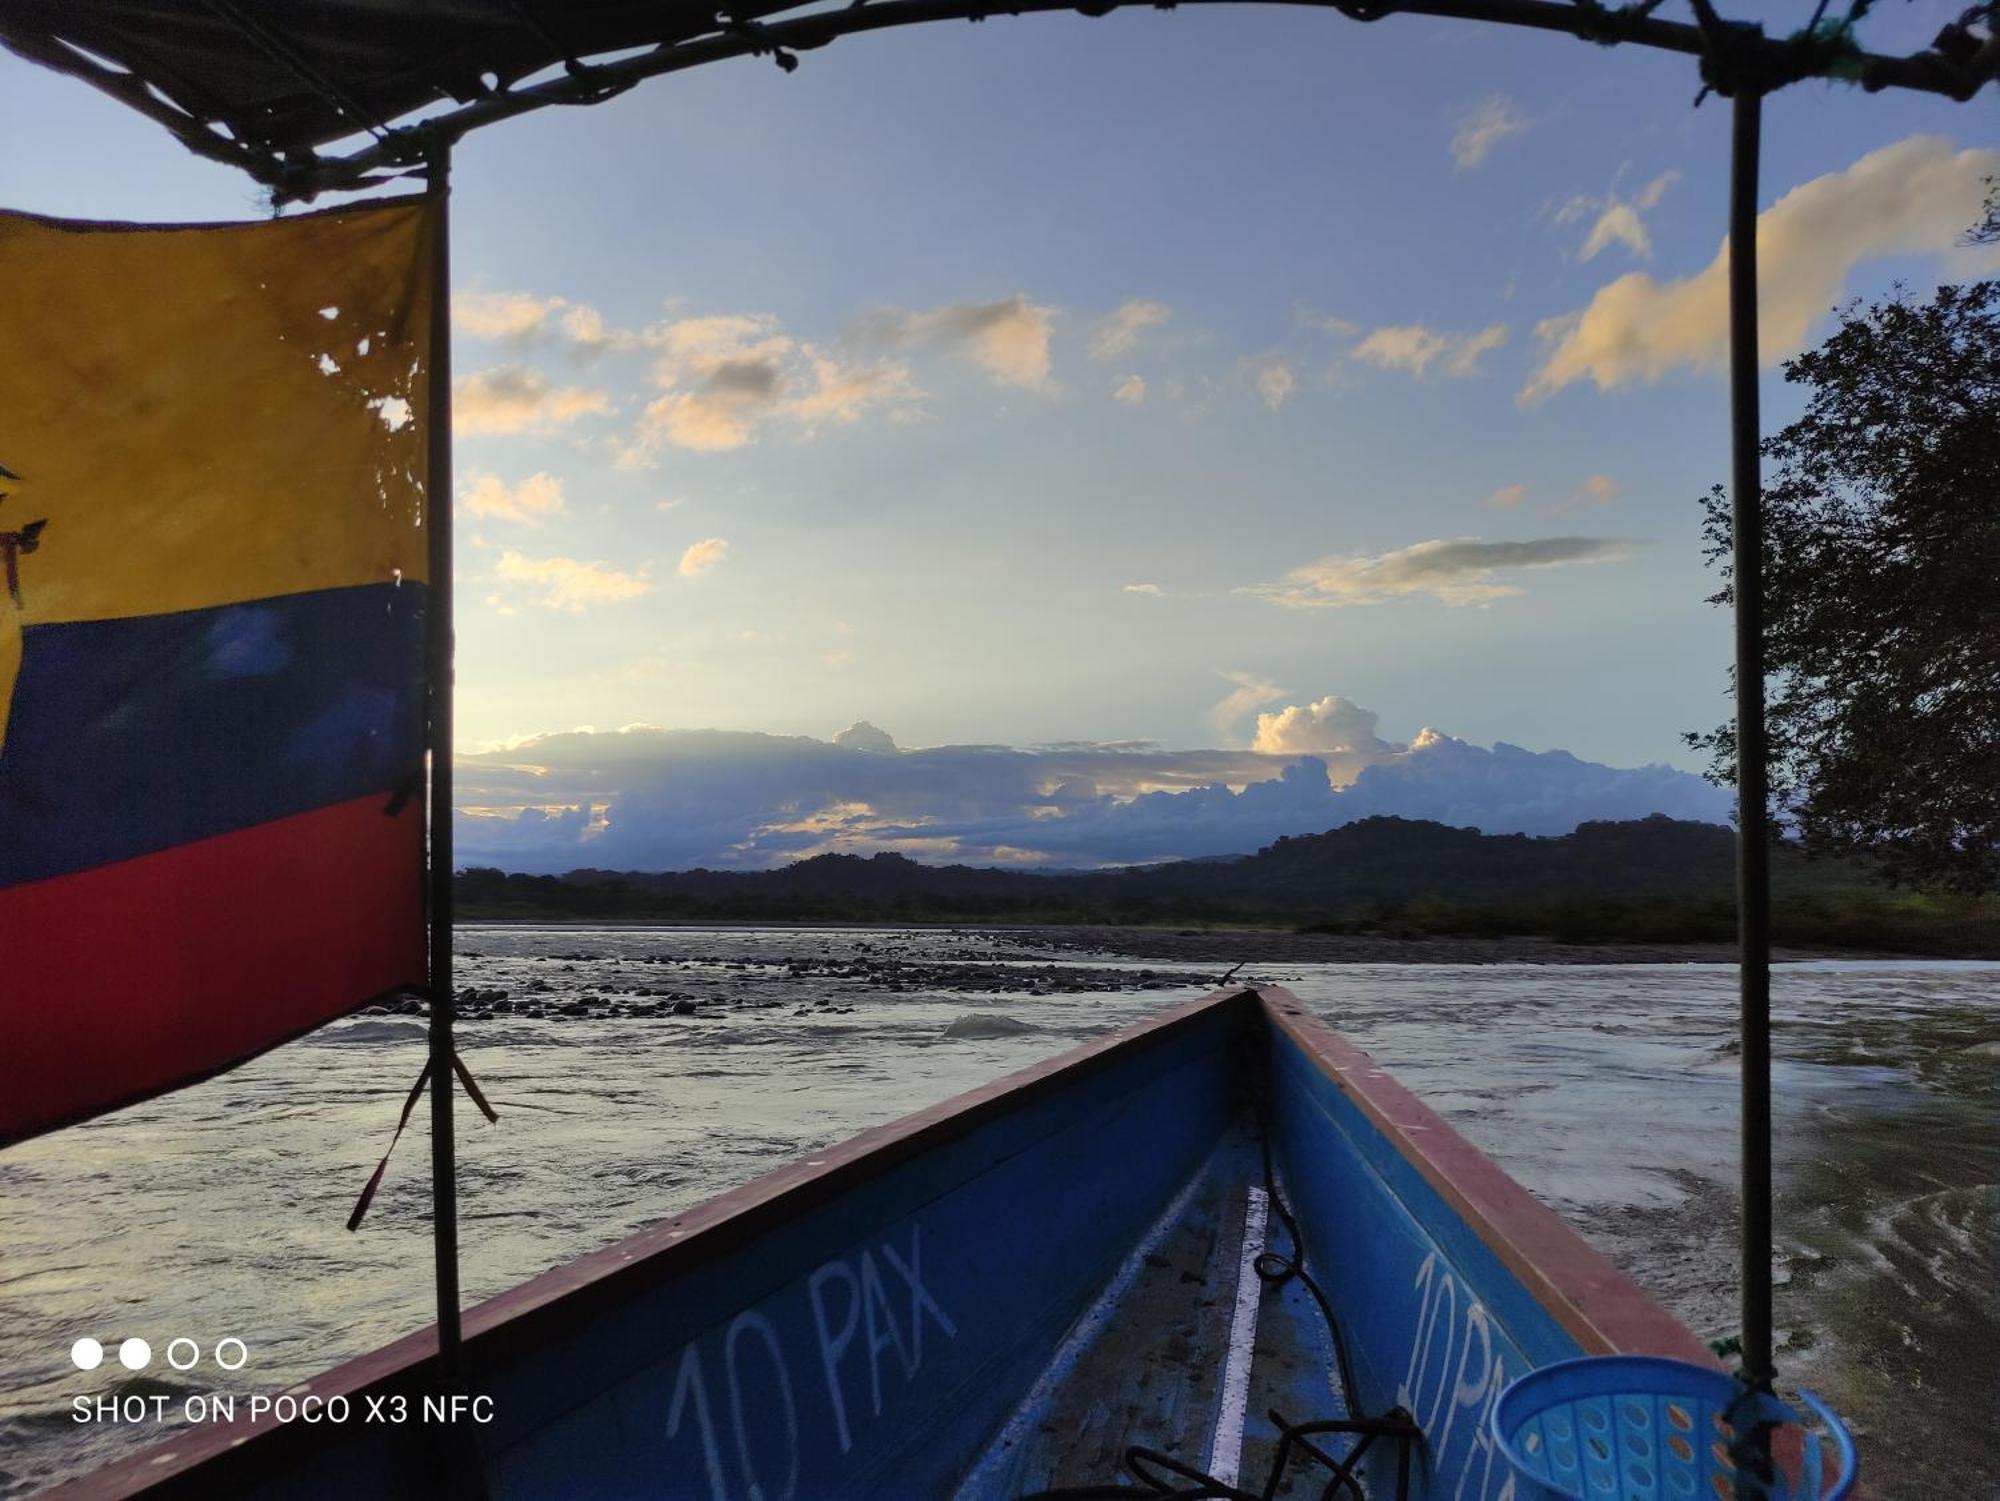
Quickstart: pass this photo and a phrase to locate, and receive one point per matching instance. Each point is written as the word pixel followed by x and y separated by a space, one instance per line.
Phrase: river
pixel 1609 1090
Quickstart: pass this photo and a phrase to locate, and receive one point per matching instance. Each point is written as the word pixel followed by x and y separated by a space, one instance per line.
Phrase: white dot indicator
pixel 135 1355
pixel 87 1354
pixel 242 1353
pixel 193 1353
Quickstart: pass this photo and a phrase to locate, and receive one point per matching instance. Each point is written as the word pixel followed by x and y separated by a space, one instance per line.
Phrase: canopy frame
pixel 1733 55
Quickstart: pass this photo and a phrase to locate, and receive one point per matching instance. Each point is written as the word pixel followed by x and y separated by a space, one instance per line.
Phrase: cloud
pixel 1507 497
pixel 1484 128
pixel 1153 590
pixel 1601 489
pixel 724 375
pixel 516 399
pixel 863 736
pixel 1131 390
pixel 519 317
pixel 501 315
pixel 1618 219
pixel 652 799
pixel 569 584
pixel 1413 348
pixel 702 556
pixel 1455 571
pixel 1250 693
pixel 1271 376
pixel 842 393
pixel 1332 724
pixel 1120 330
pixel 1008 338
pixel 533 501
pixel 1911 197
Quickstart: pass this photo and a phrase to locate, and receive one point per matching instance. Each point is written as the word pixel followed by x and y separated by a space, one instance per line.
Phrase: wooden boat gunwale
pixel 1597 1304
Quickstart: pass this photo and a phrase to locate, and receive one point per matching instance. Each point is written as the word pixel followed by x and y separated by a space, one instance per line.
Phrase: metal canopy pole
pixel 1753 872
pixel 438 679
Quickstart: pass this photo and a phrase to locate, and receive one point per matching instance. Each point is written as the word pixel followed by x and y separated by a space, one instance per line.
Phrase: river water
pixel 1610 1091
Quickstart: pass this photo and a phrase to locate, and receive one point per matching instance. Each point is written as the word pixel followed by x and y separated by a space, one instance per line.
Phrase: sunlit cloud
pixel 521 316
pixel 723 376
pixel 702 556
pixel 1452 571
pixel 1911 197
pixel 516 399
pixel 1414 349
pixel 1599 489
pixel 1332 724
pixel 1152 590
pixel 1009 339
pixel 533 501
pixel 568 584
pixel 1250 694
pixel 842 393
pixel 1507 497
pixel 1271 376
pixel 1484 128
pixel 1131 390
pixel 1119 331
pixel 501 315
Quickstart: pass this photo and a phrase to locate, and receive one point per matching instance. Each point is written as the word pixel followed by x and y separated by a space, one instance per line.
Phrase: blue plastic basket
pixel 1642 1428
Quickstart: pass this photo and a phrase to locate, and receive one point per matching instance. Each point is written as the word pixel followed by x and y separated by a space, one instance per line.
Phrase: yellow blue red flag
pixel 212 592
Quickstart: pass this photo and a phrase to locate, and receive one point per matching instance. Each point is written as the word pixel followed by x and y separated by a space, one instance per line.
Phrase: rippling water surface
pixel 1610 1091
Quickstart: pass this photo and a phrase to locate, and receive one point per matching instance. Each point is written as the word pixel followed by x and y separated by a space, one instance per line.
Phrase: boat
pixel 1218 1234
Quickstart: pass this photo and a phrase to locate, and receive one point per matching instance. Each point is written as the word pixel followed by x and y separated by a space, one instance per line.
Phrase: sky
pixel 1216 388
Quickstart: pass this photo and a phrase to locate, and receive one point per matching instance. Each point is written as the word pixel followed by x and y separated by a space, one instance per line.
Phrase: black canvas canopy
pixel 265 85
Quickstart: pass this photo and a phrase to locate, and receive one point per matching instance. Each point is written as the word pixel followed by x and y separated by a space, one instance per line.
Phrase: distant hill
pixel 1654 879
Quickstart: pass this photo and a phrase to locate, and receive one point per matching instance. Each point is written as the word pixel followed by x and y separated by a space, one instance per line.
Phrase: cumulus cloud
pixel 1484 128
pixel 1120 330
pixel 1911 197
pixel 702 556
pixel 1415 349
pixel 567 584
pixel 1154 590
pixel 517 399
pixel 653 799
pixel 1131 390
pixel 863 736
pixel 1453 571
pixel 1009 339
pixel 1332 724
pixel 533 501
pixel 1508 497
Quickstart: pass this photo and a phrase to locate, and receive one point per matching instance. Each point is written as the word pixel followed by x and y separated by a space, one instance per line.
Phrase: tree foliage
pixel 1882 583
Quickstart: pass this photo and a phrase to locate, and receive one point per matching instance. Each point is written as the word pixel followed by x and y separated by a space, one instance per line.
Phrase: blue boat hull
pixel 889 1318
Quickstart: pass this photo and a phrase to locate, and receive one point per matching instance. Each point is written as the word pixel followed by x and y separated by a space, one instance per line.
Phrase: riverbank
pixel 1227 945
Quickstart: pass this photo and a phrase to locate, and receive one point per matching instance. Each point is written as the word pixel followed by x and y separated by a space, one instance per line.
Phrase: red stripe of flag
pixel 128 979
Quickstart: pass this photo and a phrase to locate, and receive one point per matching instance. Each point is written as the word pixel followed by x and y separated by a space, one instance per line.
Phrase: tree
pixel 1882 587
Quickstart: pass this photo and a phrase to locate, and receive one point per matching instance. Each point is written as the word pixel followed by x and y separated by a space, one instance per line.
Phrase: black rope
pixel 1163 1475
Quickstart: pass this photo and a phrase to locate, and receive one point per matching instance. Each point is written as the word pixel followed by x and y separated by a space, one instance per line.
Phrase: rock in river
pixel 982 1025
